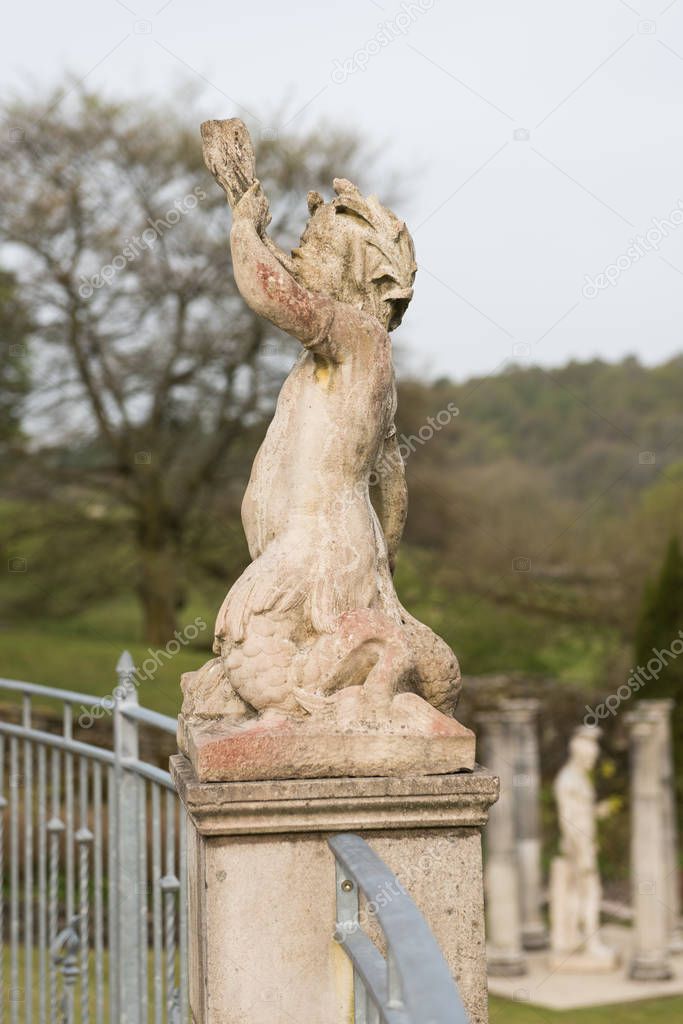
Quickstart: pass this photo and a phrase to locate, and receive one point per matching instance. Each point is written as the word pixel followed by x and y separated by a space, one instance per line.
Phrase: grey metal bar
pixel 170 886
pixel 132 764
pixel 137 713
pixel 418 969
pixel 184 993
pixel 51 739
pixel 3 807
pixel 42 884
pixel 65 957
pixel 55 827
pixel 347 923
pixel 69 812
pixel 28 864
pixel 157 935
pixel 142 895
pixel 370 966
pixel 84 839
pixel 98 880
pixel 52 693
pixel 112 905
pixel 14 783
pixel 128 952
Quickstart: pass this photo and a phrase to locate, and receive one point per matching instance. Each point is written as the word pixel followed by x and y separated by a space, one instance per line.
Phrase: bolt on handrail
pixel 414 984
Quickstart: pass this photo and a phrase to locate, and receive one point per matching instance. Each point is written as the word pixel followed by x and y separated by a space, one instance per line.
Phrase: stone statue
pixel 575 889
pixel 312 638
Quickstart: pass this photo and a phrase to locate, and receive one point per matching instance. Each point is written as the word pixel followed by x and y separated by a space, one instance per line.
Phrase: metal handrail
pixel 127 708
pixel 51 739
pixel 148 717
pixel 414 984
pixel 53 693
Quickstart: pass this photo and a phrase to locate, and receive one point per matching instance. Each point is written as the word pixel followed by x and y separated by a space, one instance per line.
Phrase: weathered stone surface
pixel 291 805
pixel 262 894
pixel 313 629
pixel 290 748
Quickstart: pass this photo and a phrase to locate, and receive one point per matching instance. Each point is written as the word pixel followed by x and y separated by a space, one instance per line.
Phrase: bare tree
pixel 141 347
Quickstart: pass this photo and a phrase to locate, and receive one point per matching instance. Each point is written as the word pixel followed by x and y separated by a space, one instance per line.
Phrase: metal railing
pixel 95 889
pixel 413 985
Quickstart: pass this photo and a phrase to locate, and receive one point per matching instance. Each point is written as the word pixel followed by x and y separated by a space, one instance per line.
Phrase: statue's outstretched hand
pixel 253 207
pixel 229 155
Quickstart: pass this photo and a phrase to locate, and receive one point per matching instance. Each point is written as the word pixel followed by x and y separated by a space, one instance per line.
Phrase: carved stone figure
pixel 575 888
pixel 312 636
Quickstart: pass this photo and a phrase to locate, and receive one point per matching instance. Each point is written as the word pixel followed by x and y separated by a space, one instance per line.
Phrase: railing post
pixel 130 958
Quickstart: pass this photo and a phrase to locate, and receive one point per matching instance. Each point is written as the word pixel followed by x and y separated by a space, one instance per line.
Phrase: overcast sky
pixel 548 138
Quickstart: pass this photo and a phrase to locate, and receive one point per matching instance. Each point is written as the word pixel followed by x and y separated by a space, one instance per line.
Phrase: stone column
pixel 523 717
pixel 262 886
pixel 501 871
pixel 662 710
pixel 649 857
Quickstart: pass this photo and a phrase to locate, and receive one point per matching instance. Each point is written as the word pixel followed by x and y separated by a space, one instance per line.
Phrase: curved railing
pixel 413 985
pixel 93 842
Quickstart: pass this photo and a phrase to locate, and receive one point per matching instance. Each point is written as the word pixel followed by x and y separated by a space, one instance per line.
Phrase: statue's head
pixel 357 251
pixel 584 747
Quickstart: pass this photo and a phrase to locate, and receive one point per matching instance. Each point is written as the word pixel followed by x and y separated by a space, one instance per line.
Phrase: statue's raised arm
pixel 262 270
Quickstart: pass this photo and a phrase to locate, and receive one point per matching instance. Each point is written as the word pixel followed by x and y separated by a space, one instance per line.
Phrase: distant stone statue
pixel 575 888
pixel 312 635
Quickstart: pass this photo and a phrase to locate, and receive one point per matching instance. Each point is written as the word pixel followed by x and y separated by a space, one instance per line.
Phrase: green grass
pixel 649 1011
pixel 80 653
pixel 17 997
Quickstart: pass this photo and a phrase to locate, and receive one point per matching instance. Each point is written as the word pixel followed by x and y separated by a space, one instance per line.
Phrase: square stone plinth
pixel 262 886
pixel 261 749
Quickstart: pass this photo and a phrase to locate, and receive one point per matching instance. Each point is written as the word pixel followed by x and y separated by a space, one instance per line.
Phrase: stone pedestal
pixel 649 854
pixel 523 717
pixel 501 872
pixel 262 886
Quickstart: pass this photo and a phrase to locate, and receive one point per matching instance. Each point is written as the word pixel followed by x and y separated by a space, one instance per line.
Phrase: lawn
pixel 81 652
pixel 647 1012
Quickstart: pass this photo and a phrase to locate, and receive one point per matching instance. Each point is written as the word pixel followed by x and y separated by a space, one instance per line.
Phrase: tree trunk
pixel 160 592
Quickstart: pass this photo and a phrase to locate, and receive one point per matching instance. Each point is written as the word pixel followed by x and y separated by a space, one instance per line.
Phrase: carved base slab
pixel 266 749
